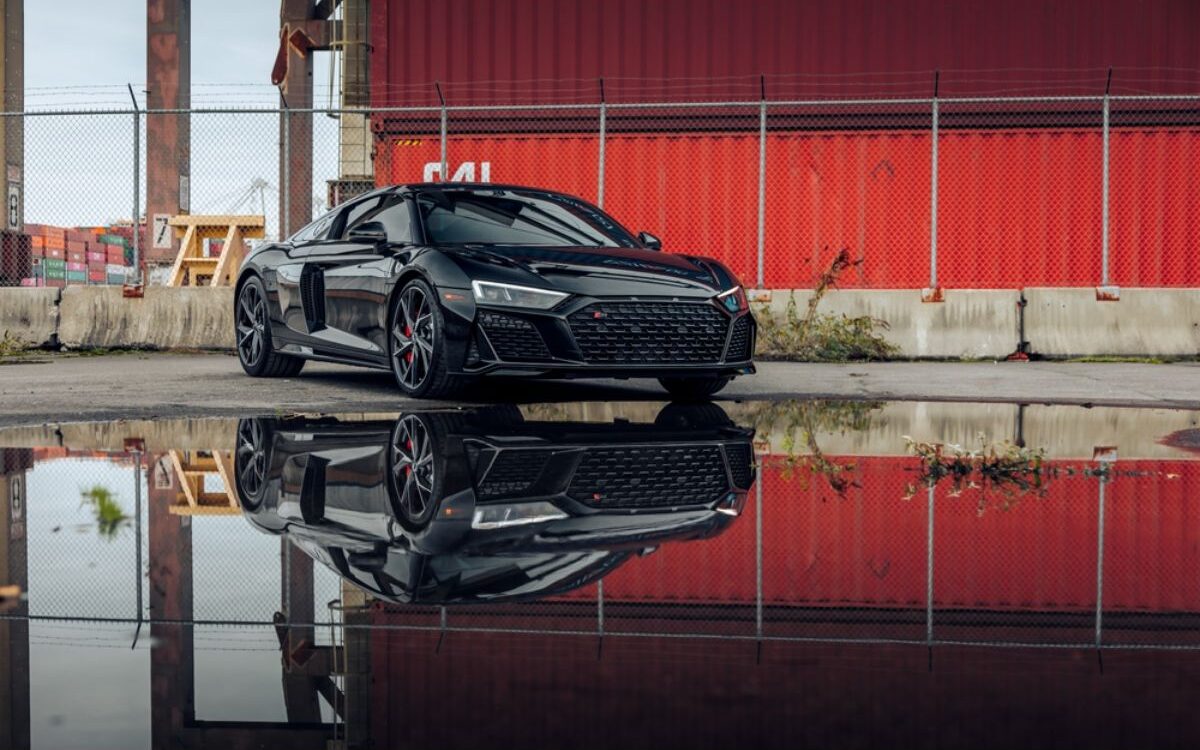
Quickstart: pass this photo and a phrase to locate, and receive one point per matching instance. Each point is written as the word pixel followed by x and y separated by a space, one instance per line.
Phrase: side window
pixel 395 217
pixel 314 231
pixel 358 213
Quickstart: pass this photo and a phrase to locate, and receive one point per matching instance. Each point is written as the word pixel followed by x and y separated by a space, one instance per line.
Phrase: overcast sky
pixel 101 46
pixel 81 54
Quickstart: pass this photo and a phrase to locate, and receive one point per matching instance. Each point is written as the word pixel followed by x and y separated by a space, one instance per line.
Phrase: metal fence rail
pixel 925 192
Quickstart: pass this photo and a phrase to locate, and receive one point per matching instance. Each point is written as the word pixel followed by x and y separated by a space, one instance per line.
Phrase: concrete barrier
pixel 29 314
pixel 1142 323
pixel 969 324
pixel 166 318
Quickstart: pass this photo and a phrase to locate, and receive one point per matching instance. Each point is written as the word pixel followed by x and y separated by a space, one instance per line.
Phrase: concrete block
pixel 166 318
pixel 969 324
pixel 1070 322
pixel 29 314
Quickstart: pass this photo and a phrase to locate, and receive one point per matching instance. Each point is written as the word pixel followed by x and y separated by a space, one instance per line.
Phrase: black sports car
pixel 444 282
pixel 483 505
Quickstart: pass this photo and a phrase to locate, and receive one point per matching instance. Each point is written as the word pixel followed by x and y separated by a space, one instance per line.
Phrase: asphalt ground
pixel 39 388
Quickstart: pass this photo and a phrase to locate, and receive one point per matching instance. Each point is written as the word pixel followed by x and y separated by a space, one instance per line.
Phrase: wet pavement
pixel 599 574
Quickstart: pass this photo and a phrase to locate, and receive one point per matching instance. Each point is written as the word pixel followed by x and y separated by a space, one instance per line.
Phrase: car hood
pixel 572 268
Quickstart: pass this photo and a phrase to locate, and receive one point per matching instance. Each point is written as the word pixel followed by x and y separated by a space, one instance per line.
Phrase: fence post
pixel 136 221
pixel 758 557
pixel 1104 192
pixel 137 522
pixel 1100 559
pixel 285 221
pixel 442 177
pixel 929 569
pixel 933 191
pixel 603 132
pixel 762 177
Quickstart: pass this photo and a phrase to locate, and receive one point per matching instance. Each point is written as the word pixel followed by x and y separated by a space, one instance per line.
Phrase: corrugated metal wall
pixel 492 51
pixel 1016 207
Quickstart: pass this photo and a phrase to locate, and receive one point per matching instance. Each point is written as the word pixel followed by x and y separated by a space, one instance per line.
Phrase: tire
pixel 684 416
pixel 693 389
pixel 252 463
pixel 252 332
pixel 414 476
pixel 417 344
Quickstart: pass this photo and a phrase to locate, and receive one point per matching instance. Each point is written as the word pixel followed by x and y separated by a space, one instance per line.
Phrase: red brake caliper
pixel 408 355
pixel 408 447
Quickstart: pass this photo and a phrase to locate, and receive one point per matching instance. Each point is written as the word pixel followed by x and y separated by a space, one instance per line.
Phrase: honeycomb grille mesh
pixel 649 477
pixel 741 459
pixel 513 472
pixel 514 339
pixel 650 333
pixel 739 342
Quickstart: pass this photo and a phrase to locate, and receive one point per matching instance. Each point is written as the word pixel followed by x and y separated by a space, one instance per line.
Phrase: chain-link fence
pixel 926 193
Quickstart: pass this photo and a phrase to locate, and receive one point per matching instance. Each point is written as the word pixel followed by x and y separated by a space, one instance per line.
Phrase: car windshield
pixel 510 217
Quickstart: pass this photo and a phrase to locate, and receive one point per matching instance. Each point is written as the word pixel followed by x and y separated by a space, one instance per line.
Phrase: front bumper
pixel 612 337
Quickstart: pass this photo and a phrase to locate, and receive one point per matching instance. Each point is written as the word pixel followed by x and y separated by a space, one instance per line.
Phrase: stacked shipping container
pixel 81 255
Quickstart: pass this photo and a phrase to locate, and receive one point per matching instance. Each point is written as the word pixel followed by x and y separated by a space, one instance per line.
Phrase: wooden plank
pixel 230 248
pixel 186 250
pixel 184 480
pixel 204 510
pixel 218 220
pixel 225 469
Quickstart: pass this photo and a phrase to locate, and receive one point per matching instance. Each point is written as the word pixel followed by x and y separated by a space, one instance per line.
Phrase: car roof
pixel 426 187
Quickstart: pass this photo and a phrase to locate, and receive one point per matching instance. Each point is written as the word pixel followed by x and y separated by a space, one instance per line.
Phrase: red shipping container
pixel 115 254
pixel 76 257
pixel 55 282
pixel 96 277
pixel 55 252
pixel 95 256
pixel 869 192
pixel 76 246
pixel 73 266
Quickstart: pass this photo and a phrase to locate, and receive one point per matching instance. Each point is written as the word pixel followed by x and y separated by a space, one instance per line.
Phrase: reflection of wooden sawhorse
pixel 193 500
pixel 191 265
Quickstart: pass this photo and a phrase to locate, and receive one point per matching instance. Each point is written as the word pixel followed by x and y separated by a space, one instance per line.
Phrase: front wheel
pixel 255 351
pixel 691 389
pixel 417 343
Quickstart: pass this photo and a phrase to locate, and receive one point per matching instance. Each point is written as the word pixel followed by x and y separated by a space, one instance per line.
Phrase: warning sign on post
pixel 14 206
pixel 162 232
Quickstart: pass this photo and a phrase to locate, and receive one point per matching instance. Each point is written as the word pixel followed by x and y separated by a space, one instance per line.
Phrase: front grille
pixel 741 460
pixel 649 332
pixel 514 339
pixel 739 342
pixel 649 477
pixel 513 472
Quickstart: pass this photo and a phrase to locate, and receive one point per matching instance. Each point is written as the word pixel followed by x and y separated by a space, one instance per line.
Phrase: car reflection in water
pixel 485 505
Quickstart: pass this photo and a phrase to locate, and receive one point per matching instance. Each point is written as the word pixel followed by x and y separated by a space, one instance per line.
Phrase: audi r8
pixel 443 283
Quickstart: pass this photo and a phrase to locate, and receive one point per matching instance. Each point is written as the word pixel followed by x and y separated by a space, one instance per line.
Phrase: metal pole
pixel 1104 200
pixel 762 182
pixel 137 205
pixel 600 166
pixel 929 570
pixel 758 559
pixel 933 199
pixel 1100 563
pixel 285 222
pixel 443 176
pixel 600 606
pixel 137 524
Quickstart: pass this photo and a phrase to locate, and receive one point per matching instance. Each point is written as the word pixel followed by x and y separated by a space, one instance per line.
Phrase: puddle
pixel 286 580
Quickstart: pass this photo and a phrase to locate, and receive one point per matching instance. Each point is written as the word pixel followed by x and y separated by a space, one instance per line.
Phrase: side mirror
pixel 649 241
pixel 368 233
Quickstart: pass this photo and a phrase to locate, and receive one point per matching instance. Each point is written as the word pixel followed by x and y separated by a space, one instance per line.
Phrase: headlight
pixel 734 300
pixel 489 292
pixel 514 514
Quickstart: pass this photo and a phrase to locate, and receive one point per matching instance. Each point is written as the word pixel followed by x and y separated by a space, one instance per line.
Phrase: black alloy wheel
pixel 416 343
pixel 413 472
pixel 250 462
pixel 253 330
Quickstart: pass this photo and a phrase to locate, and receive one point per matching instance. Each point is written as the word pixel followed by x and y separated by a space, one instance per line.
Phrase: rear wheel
pixel 416 344
pixel 690 389
pixel 253 329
